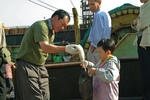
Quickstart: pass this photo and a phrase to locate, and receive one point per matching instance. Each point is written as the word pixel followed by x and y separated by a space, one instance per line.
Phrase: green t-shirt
pixel 30 50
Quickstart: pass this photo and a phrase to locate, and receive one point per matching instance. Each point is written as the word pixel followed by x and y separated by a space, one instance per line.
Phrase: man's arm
pixel 50 48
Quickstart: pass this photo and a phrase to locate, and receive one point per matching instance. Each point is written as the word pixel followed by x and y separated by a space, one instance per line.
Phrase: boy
pixel 106 74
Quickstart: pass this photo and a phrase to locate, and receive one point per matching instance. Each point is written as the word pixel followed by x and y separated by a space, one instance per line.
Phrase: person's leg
pixel 90 56
pixel 2 84
pixel 27 86
pixel 145 68
pixel 93 56
pixel 22 87
pixel 44 83
pixel 144 56
pixel 96 56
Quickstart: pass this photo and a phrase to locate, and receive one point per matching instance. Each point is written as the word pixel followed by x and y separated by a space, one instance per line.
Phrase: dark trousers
pixel 3 90
pixel 31 82
pixel 144 59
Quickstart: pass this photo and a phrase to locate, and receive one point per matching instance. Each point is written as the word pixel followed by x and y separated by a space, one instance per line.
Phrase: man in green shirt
pixel 31 78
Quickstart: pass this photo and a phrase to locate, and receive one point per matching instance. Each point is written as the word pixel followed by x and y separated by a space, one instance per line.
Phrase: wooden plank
pixel 65 64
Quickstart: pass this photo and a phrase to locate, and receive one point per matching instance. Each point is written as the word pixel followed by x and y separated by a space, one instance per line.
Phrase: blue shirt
pixel 101 27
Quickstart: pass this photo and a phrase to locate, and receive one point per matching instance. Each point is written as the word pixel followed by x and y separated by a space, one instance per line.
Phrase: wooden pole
pixel 76 25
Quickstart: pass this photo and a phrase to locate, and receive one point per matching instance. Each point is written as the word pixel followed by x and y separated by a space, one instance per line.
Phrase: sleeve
pixel 102 28
pixel 90 35
pixel 105 28
pixel 96 30
pixel 99 31
pixel 40 32
pixel 108 74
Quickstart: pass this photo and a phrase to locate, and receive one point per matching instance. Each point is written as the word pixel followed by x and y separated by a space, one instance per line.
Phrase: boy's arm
pixel 110 73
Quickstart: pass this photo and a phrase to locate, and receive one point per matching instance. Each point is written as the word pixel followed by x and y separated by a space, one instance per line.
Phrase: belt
pixel 29 62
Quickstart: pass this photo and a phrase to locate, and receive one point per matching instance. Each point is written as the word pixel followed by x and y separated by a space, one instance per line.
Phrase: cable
pixel 41 5
pixel 71 15
pixel 57 8
pixel 47 4
pixel 72 3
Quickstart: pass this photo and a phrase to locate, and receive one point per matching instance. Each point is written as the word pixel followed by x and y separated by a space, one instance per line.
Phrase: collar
pixel 49 24
pixel 109 57
pixel 50 27
pixel 97 10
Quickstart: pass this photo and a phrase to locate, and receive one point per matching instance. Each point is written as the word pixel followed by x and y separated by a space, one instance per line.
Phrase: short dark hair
pixel 106 44
pixel 61 14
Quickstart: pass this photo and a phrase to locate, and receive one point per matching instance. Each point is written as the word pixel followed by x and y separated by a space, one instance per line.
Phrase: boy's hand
pixel 91 70
pixel 84 63
pixel 87 64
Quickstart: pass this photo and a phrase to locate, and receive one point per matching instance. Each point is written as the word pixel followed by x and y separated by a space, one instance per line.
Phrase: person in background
pixel 106 75
pixel 31 77
pixel 6 66
pixel 143 42
pixel 101 28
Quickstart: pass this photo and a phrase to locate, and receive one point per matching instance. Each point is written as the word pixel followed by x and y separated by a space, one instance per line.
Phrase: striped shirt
pixel 101 27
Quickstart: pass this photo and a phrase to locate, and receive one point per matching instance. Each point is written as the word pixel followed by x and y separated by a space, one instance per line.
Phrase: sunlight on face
pixel 93 5
pixel 60 24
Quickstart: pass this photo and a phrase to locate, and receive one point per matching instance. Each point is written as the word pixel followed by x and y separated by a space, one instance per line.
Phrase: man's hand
pixel 73 49
pixel 134 23
pixel 12 64
pixel 9 67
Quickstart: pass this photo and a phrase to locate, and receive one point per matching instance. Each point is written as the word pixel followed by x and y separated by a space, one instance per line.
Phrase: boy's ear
pixel 108 52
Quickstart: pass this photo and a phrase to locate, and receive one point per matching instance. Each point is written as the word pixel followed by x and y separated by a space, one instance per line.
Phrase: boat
pixel 64 74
